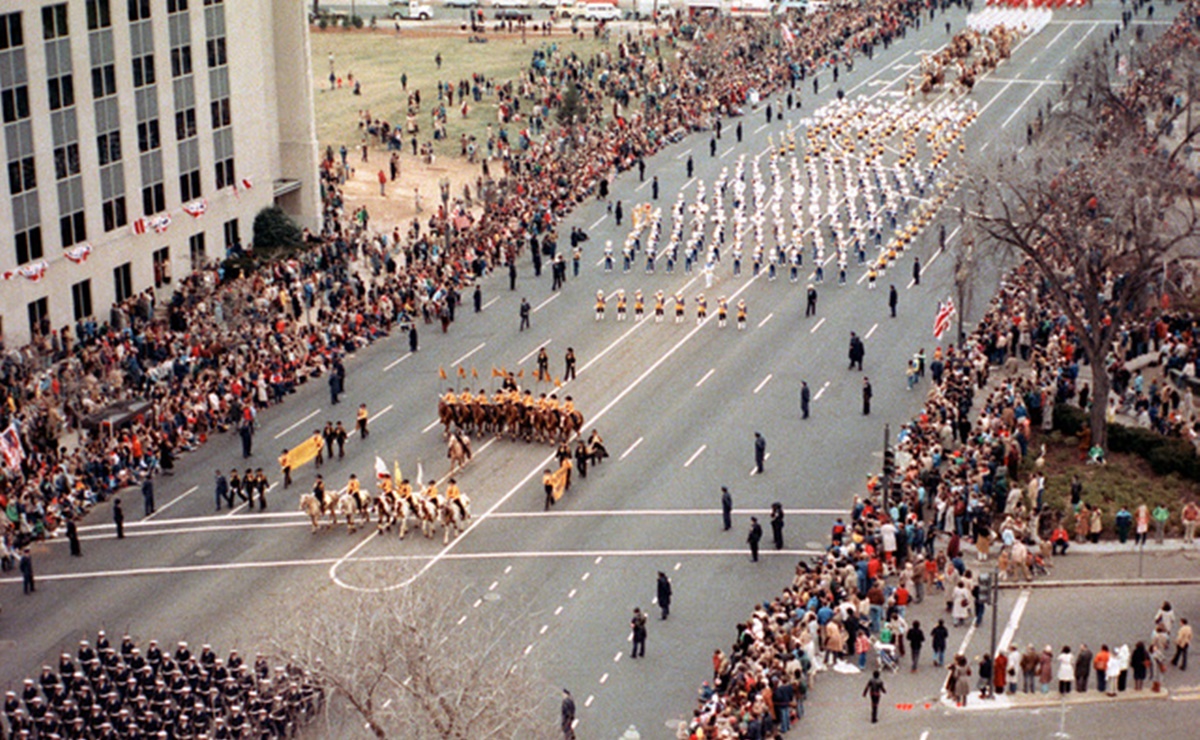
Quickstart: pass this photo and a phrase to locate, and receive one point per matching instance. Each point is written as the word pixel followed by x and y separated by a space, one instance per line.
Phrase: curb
pixel 1006 701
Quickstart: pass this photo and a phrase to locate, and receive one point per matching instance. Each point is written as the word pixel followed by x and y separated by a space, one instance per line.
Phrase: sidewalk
pixel 1052 699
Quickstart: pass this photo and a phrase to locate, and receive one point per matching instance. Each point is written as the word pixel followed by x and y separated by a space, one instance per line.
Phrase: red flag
pixel 942 321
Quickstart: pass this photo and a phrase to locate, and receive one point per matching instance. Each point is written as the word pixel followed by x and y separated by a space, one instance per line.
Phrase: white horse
pixel 312 507
pixel 452 516
pixel 348 505
pixel 416 507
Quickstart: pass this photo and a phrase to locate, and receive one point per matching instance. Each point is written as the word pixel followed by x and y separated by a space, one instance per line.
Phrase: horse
pixel 415 507
pixel 571 424
pixel 312 507
pixel 349 505
pixel 452 516
pixel 385 508
pixel 458 449
pixel 448 417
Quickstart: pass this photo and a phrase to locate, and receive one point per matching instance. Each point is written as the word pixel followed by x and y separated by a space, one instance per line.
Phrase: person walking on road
pixel 804 399
pixel 893 299
pixel 875 689
pixel 221 491
pixel 857 351
pixel 567 716
pixel 867 393
pixel 760 453
pixel 755 537
pixel 939 636
pixel 119 518
pixel 777 524
pixel 569 365
pixel 638 625
pixel 664 594
pixel 690 167
pixel 148 496
pixel 524 314
pixel 25 565
pixel 654 188
pixel 916 270
pixel 73 537
pixel 726 508
pixel 810 306
pixel 916 638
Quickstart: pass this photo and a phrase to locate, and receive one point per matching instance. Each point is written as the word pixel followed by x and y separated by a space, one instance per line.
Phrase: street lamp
pixel 444 188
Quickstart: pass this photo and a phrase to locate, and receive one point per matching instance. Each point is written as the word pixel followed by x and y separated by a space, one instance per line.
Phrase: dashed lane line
pixel 170 503
pixel 763 383
pixel 817 326
pixel 695 455
pixel 534 351
pixel 766 318
pixel 404 357
pixel 821 392
pixel 871 331
pixel 488 305
pixel 468 355
pixel 546 302
pixel 707 375
pixel 632 447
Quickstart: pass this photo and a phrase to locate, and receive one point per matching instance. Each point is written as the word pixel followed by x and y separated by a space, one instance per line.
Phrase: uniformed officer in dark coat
pixel 664 594
pixel 755 537
pixel 804 399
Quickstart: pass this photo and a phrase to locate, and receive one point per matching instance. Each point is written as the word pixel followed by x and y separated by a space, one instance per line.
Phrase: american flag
pixel 941 322
pixel 11 449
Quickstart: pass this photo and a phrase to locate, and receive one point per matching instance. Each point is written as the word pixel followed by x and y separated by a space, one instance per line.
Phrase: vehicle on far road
pixel 510 3
pixel 410 10
pixel 547 3
pixel 513 14
pixel 600 12
pixel 331 17
pixel 461 3
pixel 645 9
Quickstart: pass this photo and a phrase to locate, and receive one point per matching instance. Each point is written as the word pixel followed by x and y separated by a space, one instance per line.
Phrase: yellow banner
pixel 304 452
pixel 560 477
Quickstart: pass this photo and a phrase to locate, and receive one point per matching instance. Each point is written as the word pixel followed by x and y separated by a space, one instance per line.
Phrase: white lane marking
pixel 599 558
pixel 871 331
pixel 170 503
pixel 381 412
pixel 763 383
pixel 934 257
pixel 586 576
pixel 462 619
pixel 678 566
pixel 293 426
pixel 686 184
pixel 545 303
pixel 604 678
pixel 572 593
pixel 644 184
pixel 652 512
pixel 707 375
pixel 762 127
pixel 766 318
pixel 962 649
pixel 598 221
pixel 617 657
pixel 1056 38
pixel 1014 619
pixel 925 266
pixel 817 325
pixel 1013 115
pixel 683 154
pixel 727 152
pixel 983 148
pixel 493 586
pixel 924 735
pixel 483 556
pixel 529 648
pixel 1080 41
pixel 535 470
pixel 464 358
pixel 587 703
pixel 432 424
pixel 489 303
pixel 632 447
pixel 820 392
pixel 886 69
pixel 477 603
pixel 535 350
pixel 508 570
pixel 754 469
pixel 695 455
pixel 995 97
pixel 636 325
pixel 558 611
pixel 407 355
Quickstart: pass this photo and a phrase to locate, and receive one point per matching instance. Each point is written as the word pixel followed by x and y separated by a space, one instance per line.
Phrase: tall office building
pixel 140 139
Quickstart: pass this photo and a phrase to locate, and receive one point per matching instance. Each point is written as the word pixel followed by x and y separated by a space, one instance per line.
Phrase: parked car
pixel 510 3
pixel 513 14
pixel 461 3
pixel 601 12
pixel 401 10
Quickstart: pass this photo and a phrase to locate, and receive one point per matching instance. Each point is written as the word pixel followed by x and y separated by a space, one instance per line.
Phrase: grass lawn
pixel 378 58
pixel 1126 480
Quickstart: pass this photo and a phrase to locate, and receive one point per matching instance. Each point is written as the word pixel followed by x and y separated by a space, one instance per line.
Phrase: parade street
pixel 677 404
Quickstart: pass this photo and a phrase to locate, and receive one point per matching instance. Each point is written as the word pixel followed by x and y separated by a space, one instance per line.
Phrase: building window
pixel 196 249
pixel 189 185
pixel 220 113
pixel 29 245
pixel 213 2
pixel 143 70
pixel 62 92
pixel 22 175
pixel 39 317
pixel 123 281
pixel 73 227
pixel 15 103
pixel 216 52
pixel 81 297
pixel 148 136
pixel 181 61
pixel 98 15
pixel 162 267
pixel 54 21
pixel 185 124
pixel 104 81
pixel 11 35
pixel 114 213
pixel 231 235
pixel 139 10
pixel 177 6
pixel 109 146
pixel 66 161
pixel 154 199
pixel 224 173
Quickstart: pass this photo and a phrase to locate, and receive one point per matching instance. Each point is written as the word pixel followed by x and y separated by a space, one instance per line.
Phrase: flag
pixel 559 479
pixel 247 184
pixel 557 383
pixel 160 224
pixel 462 371
pixel 381 469
pixel 79 253
pixel 521 373
pixel 474 372
pixel 396 466
pixel 442 373
pixel 420 474
pixel 942 321
pixel 304 452
pixel 139 226
pixel 32 272
pixel 196 208
pixel 788 37
pixel 11 449
pixel 496 373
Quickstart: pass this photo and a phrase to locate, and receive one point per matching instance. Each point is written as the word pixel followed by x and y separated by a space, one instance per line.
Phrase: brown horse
pixel 458 449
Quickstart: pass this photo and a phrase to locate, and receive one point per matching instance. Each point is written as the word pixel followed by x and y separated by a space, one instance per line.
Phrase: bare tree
pixel 1100 202
pixel 403 664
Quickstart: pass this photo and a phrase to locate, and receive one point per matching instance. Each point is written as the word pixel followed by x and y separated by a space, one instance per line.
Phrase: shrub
pixel 1175 456
pixel 274 229
pixel 1070 420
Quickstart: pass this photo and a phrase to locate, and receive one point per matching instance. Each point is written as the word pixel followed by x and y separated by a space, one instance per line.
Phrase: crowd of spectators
pixel 119 692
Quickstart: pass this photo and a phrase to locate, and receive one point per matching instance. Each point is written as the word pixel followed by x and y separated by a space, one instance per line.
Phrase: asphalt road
pixel 676 404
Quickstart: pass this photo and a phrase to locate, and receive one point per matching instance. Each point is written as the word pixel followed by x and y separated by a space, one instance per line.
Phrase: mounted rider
pixel 454 495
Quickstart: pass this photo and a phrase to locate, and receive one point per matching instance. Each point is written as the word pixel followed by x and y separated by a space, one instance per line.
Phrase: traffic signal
pixel 889 462
pixel 985 587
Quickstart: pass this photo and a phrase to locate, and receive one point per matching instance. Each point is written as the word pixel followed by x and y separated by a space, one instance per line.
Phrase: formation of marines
pixel 104 692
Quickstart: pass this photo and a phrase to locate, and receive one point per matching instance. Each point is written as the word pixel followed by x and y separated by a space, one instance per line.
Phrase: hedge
pixel 1165 455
